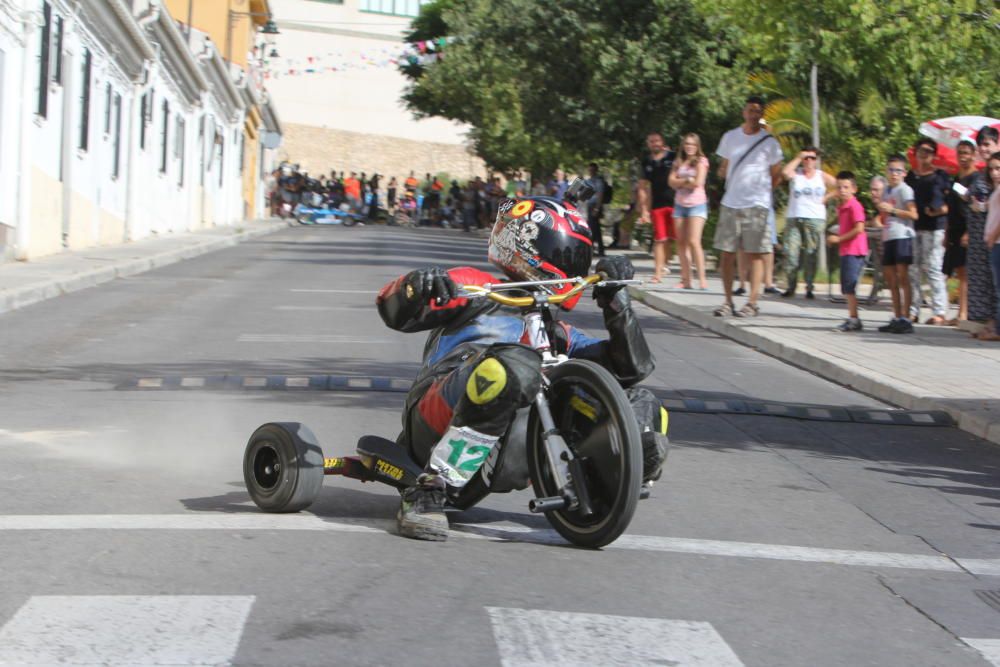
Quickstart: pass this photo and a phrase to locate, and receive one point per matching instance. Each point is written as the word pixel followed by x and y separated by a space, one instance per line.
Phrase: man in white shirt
pixel 751 167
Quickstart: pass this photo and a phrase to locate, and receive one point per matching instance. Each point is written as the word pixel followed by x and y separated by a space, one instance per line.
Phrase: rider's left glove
pixel 613 268
pixel 430 284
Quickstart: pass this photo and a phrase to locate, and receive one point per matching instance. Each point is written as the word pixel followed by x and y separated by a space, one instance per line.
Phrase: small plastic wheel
pixel 595 418
pixel 283 467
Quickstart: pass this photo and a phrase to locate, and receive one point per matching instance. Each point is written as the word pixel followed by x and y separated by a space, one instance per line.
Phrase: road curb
pixel 20 297
pixel 882 387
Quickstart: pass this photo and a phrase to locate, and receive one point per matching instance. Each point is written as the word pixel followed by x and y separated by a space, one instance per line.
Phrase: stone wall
pixel 318 150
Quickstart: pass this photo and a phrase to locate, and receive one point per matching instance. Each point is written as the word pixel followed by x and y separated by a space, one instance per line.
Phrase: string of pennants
pixel 423 53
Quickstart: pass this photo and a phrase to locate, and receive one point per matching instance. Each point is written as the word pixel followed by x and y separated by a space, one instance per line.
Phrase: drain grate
pixel 992 598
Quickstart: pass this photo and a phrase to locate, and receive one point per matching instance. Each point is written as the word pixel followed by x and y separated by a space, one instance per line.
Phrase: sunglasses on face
pixel 809 157
pixel 925 151
pixel 896 170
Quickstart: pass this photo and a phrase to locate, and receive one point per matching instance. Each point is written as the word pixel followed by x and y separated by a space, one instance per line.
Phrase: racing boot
pixel 654 455
pixel 421 510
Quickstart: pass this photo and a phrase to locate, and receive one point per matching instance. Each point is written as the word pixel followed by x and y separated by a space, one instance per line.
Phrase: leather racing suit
pixel 465 335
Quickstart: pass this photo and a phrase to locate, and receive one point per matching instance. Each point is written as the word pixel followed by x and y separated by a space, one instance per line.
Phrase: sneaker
pixel 809 294
pixel 421 510
pixel 850 324
pixel 725 310
pixel 748 310
pixel 772 290
pixel 903 326
pixel 788 293
pixel 739 291
pixel 887 328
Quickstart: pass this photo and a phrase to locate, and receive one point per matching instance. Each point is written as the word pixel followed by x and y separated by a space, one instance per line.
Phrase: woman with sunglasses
pixel 805 219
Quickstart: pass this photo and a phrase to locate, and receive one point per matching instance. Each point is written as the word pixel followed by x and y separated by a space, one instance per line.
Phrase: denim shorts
pixel 696 211
pixel 851 267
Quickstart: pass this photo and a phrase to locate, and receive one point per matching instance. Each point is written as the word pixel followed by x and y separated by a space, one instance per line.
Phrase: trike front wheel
pixel 595 418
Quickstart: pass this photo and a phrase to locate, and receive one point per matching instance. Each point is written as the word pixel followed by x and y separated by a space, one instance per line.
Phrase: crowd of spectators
pixel 432 201
pixel 925 224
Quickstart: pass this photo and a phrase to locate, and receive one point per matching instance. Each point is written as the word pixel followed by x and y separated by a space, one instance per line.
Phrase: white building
pixel 338 92
pixel 114 126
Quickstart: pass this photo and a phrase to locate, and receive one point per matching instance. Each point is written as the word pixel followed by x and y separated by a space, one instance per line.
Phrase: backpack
pixel 609 192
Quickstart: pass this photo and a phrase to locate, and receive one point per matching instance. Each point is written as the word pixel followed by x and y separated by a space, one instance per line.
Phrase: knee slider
pixel 511 373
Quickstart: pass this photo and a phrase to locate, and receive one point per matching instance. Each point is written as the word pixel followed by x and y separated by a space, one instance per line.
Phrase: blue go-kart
pixel 324 214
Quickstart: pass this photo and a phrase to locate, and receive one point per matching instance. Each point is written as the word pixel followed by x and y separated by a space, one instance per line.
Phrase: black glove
pixel 423 285
pixel 617 267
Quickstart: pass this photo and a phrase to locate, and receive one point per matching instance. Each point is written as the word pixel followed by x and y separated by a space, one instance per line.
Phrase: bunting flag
pixel 423 53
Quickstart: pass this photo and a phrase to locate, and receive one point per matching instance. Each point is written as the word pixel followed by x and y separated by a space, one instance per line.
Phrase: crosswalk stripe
pixel 133 630
pixel 990 649
pixel 654 543
pixel 536 638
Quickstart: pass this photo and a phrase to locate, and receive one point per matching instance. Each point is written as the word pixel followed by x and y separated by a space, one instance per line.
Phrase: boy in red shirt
pixel 853 245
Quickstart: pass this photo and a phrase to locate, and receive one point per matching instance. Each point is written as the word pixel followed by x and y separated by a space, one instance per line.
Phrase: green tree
pixel 883 67
pixel 544 83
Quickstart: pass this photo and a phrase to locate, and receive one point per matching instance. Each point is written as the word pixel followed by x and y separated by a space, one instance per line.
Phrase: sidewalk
pixel 936 368
pixel 25 283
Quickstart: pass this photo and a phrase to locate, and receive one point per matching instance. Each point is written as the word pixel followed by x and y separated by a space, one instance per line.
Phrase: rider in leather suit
pixel 478 369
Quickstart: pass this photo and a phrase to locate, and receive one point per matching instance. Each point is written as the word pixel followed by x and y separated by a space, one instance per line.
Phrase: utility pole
pixel 814 89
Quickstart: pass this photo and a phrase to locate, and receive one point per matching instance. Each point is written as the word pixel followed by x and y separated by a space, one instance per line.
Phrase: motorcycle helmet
pixel 541 238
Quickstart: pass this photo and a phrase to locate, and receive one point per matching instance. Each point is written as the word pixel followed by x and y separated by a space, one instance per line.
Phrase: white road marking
pixel 308 338
pixel 990 648
pixel 192 382
pixel 254 382
pixel 532 637
pixel 311 522
pixel 334 291
pixel 150 383
pixel 359 383
pixel 983 566
pixel 296 382
pixel 125 630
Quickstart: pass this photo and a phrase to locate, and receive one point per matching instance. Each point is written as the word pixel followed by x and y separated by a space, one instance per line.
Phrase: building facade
pixel 334 70
pixel 235 27
pixel 114 126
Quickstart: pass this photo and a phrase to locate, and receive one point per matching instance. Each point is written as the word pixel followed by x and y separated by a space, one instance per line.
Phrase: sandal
pixel 935 321
pixel 656 280
pixel 725 310
pixel 748 310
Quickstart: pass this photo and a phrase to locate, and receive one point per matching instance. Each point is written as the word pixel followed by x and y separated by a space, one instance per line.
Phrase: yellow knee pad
pixel 488 379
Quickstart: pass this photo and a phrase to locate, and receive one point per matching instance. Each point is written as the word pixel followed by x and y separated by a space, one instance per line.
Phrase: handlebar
pixel 489 290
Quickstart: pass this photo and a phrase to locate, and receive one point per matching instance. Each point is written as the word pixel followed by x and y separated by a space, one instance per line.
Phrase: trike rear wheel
pixel 283 467
pixel 594 417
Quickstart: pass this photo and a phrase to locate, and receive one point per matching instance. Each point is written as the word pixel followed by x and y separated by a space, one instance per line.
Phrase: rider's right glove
pixel 430 284
pixel 617 267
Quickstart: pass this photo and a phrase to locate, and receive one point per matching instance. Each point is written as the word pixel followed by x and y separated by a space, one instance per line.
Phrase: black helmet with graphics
pixel 541 238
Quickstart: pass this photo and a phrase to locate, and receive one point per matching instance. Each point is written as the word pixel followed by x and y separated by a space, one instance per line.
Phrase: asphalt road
pixel 127 538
